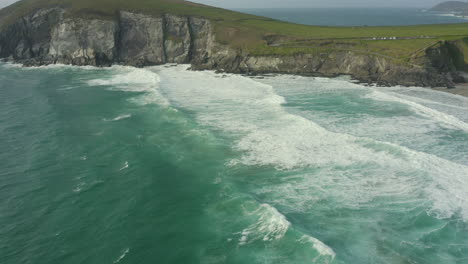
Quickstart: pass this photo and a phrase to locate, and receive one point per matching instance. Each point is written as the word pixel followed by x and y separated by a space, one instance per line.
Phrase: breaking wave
pixel 129 79
pixel 360 168
pixel 271 226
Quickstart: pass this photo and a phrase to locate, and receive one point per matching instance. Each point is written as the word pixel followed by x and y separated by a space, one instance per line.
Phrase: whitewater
pixel 127 165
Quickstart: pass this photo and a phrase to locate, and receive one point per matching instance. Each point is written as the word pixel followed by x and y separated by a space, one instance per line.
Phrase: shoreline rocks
pixel 47 36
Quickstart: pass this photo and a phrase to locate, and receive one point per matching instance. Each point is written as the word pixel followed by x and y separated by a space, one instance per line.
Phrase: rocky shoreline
pixel 48 36
pixel 459 89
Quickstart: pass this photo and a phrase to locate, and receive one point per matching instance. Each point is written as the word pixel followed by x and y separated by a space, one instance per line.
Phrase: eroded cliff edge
pixel 48 36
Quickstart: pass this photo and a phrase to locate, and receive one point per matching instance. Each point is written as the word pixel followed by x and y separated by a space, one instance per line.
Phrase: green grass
pixel 317 32
pixel 108 8
pixel 248 32
pixel 464 44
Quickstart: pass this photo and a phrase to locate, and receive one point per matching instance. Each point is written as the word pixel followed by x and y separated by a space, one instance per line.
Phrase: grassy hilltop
pixel 265 36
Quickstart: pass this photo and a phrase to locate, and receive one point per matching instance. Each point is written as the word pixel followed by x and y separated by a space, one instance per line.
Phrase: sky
pixel 303 3
pixel 4 3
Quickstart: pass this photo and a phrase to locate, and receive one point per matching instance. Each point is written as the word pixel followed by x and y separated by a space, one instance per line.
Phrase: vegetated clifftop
pixel 52 34
pixel 452 6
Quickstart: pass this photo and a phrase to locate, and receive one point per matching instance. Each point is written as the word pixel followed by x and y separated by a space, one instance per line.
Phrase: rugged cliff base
pixel 49 36
pixel 363 67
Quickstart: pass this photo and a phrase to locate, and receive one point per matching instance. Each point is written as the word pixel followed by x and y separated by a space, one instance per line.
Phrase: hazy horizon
pixel 303 3
pixel 4 3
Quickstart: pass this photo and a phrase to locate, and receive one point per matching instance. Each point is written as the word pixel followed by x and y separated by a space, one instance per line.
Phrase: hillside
pixel 236 39
pixel 453 7
pixel 108 8
pixel 248 31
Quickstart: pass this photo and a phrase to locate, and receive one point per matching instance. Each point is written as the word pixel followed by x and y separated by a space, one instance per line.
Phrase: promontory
pixel 152 32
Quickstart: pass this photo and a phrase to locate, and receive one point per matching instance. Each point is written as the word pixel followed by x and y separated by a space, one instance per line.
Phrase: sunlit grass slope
pixel 251 32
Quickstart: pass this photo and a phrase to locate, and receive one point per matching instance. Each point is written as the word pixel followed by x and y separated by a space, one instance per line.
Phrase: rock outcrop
pixel 29 37
pixel 438 66
pixel 83 42
pixel 177 39
pixel 48 36
pixel 141 39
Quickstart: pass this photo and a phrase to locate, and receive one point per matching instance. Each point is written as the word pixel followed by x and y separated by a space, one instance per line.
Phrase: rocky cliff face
pixel 48 36
pixel 83 42
pixel 365 68
pixel 30 37
pixel 439 66
pixel 141 39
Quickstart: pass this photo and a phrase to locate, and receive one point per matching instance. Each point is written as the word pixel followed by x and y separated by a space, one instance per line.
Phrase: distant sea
pixel 356 16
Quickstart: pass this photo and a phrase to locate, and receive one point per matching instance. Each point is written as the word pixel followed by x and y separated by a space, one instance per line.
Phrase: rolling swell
pixel 338 169
pixel 279 170
pixel 263 223
pixel 267 135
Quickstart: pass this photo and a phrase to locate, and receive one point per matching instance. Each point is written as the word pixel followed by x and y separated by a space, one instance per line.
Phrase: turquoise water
pixel 164 165
pixel 356 16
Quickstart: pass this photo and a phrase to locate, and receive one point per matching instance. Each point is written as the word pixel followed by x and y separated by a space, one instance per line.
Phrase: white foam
pixel 67 88
pixel 117 78
pixel 125 166
pixel 463 105
pixel 453 15
pixel 122 256
pixel 8 64
pixel 269 135
pixel 271 225
pixel 49 66
pixel 322 249
pixel 79 187
pixel 354 171
pixel 128 79
pixel 120 117
pixel 443 118
pixel 131 79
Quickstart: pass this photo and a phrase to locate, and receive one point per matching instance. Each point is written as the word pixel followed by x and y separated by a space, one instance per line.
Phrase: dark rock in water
pixel 48 36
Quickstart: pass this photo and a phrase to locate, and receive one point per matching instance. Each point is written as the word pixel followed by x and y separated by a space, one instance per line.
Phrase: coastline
pixel 51 38
pixel 453 15
pixel 460 89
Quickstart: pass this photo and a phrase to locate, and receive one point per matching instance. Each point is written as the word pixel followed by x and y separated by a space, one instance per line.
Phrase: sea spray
pixel 284 169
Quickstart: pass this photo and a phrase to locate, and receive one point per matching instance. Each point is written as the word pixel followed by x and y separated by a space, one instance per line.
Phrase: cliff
pixel 47 37
pixel 52 35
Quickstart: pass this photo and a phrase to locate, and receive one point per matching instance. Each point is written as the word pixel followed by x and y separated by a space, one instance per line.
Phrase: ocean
pixel 165 165
pixel 356 16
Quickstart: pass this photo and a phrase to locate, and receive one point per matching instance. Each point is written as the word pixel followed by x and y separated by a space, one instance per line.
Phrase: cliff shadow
pixel 465 54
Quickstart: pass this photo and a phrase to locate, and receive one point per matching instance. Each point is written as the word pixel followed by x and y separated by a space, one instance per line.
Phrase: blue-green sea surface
pixel 357 16
pixel 165 165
